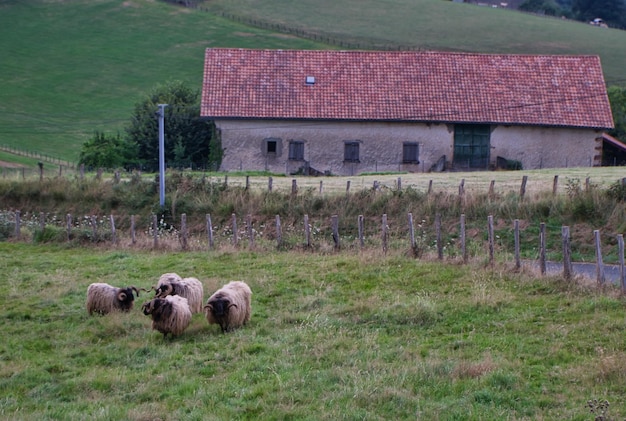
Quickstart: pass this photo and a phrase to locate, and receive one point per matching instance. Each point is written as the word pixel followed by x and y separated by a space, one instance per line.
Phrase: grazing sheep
pixel 190 288
pixel 169 315
pixel 229 306
pixel 103 298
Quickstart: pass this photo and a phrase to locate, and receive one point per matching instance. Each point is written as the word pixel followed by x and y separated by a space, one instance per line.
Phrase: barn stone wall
pixel 381 146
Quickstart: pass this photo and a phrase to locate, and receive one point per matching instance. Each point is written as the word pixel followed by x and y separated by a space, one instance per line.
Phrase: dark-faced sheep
pixel 169 315
pixel 190 288
pixel 104 298
pixel 229 306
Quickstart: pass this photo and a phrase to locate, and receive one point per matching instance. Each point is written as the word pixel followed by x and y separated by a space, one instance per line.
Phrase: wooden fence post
pixel 522 191
pixel 347 186
pixel 399 184
pixel 247 182
pixel 294 187
pixel 518 260
pixel 599 265
pixel 321 186
pixel 567 253
pixel 555 185
pixel 492 193
pixel 542 248
pixel 183 230
pixel 209 230
pixel 620 248
pixel 384 233
pixel 462 188
pixel 94 228
pixel 438 233
pixel 155 232
pixel 279 232
pixel 335 227
pixel 360 230
pixel 133 235
pixel 250 231
pixel 68 226
pixel 18 229
pixel 491 239
pixel 269 183
pixel 113 232
pixel 463 240
pixel 412 241
pixel 234 225
pixel 307 231
pixel 430 186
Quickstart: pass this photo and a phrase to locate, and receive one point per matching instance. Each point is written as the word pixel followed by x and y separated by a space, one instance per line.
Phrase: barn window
pixel 296 150
pixel 410 153
pixel 272 147
pixel 351 151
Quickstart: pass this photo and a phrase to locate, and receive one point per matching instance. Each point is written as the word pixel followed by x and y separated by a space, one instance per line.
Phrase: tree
pixel 617 98
pixel 611 11
pixel 107 151
pixel 188 137
pixel 547 7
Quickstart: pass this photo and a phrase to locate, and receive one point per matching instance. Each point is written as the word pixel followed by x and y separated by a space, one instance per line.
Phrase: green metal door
pixel 471 146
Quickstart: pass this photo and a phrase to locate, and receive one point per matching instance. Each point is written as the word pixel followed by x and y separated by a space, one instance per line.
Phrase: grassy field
pixel 71 68
pixel 439 25
pixel 334 336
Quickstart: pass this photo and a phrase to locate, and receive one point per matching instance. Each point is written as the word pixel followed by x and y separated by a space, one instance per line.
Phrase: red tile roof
pixel 405 86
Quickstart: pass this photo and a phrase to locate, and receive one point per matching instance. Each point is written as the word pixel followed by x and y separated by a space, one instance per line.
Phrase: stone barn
pixel 350 112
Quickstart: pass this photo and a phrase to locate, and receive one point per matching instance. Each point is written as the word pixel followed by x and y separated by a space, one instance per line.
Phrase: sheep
pixel 229 306
pixel 190 288
pixel 103 298
pixel 169 315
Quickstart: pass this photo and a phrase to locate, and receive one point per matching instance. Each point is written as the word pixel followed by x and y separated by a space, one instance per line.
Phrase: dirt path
pixel 6 164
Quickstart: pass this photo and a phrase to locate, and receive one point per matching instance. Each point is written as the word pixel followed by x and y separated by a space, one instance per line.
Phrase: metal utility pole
pixel 161 114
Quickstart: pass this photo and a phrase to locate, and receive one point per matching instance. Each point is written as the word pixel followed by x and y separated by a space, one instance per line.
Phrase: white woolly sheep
pixel 229 306
pixel 104 298
pixel 190 288
pixel 169 315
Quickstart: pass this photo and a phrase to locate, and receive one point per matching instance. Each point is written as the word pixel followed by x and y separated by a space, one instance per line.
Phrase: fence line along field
pixel 447 182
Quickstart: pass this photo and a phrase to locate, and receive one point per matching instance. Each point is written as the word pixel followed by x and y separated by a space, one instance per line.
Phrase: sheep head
pixel 219 307
pixel 126 298
pixel 158 308
pixel 164 290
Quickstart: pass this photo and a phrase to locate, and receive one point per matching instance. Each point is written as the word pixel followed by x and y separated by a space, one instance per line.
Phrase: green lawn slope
pixel 70 68
pixel 438 25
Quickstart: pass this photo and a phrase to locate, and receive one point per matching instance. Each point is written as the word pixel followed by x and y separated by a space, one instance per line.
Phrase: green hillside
pixel 70 68
pixel 439 25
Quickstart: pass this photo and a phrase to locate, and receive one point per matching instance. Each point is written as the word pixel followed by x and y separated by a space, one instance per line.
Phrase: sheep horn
pixel 136 290
pixel 121 295
pixel 232 305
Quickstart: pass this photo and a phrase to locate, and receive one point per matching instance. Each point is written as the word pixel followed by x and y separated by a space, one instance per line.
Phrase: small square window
pixel 271 146
pixel 410 153
pixel 351 151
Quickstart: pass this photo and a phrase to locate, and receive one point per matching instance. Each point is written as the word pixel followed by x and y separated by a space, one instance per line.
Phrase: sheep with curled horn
pixel 103 298
pixel 190 288
pixel 169 315
pixel 229 306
